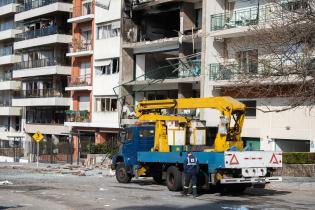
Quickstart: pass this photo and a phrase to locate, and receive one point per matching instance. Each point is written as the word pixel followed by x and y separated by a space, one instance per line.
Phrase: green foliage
pixel 108 147
pixel 299 158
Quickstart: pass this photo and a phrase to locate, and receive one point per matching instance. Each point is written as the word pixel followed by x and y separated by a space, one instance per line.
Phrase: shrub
pixel 299 158
pixel 108 147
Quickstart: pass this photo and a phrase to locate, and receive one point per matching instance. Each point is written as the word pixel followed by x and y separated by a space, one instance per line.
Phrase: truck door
pixel 129 149
pixel 146 138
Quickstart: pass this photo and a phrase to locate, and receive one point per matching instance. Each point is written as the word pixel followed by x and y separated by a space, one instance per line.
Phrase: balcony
pixel 7 84
pixel 7 30
pixel 236 22
pixel 77 118
pixel 54 129
pixel 42 97
pixel 7 7
pixel 41 7
pixel 80 49
pixel 7 56
pixel 83 13
pixel 43 36
pixel 82 82
pixel 6 109
pixel 187 70
pixel 225 73
pixel 47 66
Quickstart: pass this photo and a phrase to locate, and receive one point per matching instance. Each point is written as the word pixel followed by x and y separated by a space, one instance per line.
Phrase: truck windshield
pixel 146 133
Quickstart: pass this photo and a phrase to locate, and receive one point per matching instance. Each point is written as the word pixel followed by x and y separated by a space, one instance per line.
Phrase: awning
pixel 102 63
pixel 115 24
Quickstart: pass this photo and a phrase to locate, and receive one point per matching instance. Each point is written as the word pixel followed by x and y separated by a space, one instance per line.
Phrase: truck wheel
pixel 121 173
pixel 174 179
pixel 158 178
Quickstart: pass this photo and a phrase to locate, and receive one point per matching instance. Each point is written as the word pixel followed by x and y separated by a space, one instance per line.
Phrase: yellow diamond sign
pixel 38 136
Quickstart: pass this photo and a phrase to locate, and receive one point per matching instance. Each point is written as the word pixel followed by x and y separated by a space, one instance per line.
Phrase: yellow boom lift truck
pixel 157 145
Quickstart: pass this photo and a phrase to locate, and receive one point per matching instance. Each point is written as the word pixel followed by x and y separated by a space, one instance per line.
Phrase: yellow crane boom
pixel 230 108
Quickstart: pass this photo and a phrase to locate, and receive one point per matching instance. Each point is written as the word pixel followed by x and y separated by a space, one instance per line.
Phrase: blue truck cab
pixel 135 155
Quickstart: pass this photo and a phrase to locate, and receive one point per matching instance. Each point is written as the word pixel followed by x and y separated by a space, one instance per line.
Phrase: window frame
pixel 105 104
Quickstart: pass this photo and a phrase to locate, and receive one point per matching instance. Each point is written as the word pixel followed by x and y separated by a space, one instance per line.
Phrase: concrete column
pixel 187 17
pixel 75 152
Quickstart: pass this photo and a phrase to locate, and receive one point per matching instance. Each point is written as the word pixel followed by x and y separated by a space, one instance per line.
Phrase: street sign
pixel 38 136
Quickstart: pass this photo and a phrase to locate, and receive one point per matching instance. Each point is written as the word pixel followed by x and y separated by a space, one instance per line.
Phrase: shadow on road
pixel 10 207
pixel 199 207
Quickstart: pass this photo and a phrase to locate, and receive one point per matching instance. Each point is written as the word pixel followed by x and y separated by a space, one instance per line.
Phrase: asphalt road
pixel 34 190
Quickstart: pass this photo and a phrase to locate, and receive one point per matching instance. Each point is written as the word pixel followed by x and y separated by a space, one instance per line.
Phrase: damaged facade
pixel 160 58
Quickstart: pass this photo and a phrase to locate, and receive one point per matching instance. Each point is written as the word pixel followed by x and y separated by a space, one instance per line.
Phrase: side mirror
pixel 122 136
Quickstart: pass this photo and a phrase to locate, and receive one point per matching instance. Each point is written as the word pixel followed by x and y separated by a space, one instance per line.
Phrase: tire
pixel 121 173
pixel 174 179
pixel 158 178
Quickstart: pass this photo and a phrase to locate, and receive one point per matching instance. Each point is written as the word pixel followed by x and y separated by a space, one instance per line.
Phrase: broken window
pixel 107 67
pixel 106 104
pixel 108 30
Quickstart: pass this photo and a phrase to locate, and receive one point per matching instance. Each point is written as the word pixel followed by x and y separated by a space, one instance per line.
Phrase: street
pixel 31 189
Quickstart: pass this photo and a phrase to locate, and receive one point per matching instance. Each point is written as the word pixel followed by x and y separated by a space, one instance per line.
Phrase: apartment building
pixel 161 41
pixel 231 50
pixel 95 53
pixel 42 44
pixel 11 135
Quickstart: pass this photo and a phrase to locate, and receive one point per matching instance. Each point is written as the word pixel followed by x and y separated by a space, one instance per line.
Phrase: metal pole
pixel 37 153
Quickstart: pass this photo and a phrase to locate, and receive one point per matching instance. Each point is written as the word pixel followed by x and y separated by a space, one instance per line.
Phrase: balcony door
pixel 86 37
pixel 84 103
pixel 85 72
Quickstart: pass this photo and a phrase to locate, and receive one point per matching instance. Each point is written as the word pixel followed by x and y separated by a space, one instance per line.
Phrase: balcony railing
pixel 54 61
pixel 77 116
pixel 6 51
pixel 246 17
pixel 6 26
pixel 42 93
pixel 231 71
pixel 5 2
pixel 80 46
pixel 50 30
pixel 82 10
pixel 83 80
pixel 5 103
pixel 6 77
pixel 190 68
pixel 36 4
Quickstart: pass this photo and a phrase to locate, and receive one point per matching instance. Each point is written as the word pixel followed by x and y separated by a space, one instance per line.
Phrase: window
pixel 129 135
pixel 146 133
pixel 108 30
pixel 250 108
pixel 248 61
pixel 84 103
pixel 106 104
pixel 85 72
pixel 108 67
